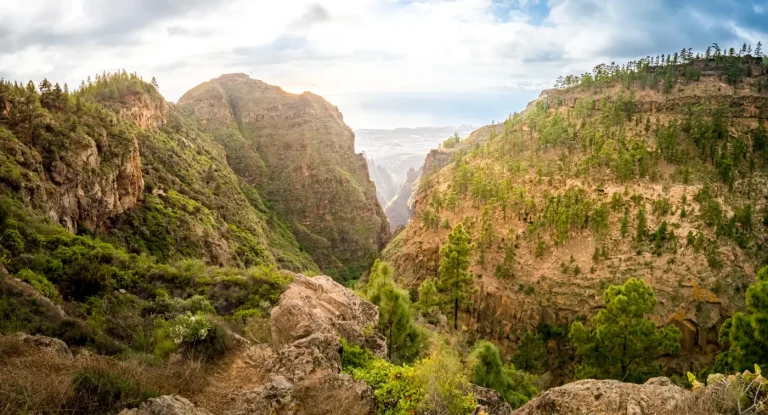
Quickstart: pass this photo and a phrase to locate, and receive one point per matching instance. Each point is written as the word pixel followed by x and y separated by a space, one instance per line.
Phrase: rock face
pixel 320 305
pixel 489 402
pixel 304 375
pixel 94 176
pixel 297 150
pixel 399 210
pixel 166 405
pixel 554 279
pixel 39 344
pixel 610 397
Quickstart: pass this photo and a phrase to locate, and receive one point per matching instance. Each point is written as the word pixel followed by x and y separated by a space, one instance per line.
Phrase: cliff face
pixel 117 160
pixel 399 210
pixel 80 172
pixel 553 200
pixel 297 150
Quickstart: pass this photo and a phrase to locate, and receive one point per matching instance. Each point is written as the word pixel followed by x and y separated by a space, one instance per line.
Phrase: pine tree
pixel 395 321
pixel 745 336
pixel 489 372
pixel 642 225
pixel 456 282
pixel 623 343
pixel 759 50
pixel 428 296
pixel 154 84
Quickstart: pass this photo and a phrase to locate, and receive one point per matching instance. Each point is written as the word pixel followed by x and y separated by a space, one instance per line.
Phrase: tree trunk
pixel 389 345
pixel 456 314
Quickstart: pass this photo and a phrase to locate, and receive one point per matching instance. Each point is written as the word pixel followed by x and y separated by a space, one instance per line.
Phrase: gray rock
pixel 166 405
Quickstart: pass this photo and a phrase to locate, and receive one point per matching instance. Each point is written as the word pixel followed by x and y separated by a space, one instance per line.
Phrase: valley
pixel 244 251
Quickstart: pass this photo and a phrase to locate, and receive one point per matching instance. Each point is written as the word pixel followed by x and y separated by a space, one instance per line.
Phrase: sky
pixel 384 63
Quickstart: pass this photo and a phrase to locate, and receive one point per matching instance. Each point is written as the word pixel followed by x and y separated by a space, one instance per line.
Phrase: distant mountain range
pixel 391 153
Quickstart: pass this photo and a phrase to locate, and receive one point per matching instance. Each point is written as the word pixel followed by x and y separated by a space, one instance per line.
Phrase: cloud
pixel 350 50
pixel 314 14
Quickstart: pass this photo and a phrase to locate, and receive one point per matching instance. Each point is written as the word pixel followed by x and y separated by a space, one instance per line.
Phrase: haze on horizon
pixel 384 63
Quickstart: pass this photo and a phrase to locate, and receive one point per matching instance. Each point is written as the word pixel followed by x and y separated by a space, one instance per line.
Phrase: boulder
pixel 658 396
pixel 325 394
pixel 304 376
pixel 489 402
pixel 166 405
pixel 318 353
pixel 311 305
pixel 40 344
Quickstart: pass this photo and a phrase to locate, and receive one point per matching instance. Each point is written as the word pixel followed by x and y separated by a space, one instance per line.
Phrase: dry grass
pixel 39 382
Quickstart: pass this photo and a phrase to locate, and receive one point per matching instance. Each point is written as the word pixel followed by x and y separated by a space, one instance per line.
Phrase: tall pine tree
pixel 456 282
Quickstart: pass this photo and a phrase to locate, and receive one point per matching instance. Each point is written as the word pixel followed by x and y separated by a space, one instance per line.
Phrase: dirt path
pixel 239 371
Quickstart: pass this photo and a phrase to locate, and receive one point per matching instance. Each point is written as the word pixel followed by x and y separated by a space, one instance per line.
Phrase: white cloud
pixel 337 48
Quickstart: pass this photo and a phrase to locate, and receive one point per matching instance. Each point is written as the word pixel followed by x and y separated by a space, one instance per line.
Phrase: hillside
pixel 644 170
pixel 297 151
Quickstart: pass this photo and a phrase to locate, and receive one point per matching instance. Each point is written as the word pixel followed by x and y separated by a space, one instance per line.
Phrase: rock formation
pixel 304 377
pixel 297 150
pixel 166 405
pixel 610 397
pixel 399 210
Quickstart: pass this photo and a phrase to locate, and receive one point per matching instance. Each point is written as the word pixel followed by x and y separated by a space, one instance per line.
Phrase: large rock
pixel 304 376
pixel 489 402
pixel 316 354
pixel 327 394
pixel 319 304
pixel 166 405
pixel 658 396
pixel 39 344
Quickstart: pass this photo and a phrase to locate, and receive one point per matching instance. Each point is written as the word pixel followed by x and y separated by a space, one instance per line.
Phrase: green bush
pixel 99 390
pixel 39 282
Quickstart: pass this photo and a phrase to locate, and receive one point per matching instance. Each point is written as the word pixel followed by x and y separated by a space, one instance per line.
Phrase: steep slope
pixel 116 160
pixel 650 172
pixel 297 150
pixel 385 185
pixel 398 210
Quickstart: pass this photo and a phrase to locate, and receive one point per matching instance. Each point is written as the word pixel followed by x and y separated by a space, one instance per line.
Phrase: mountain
pixel 239 173
pixel 399 209
pixel 385 185
pixel 395 152
pixel 297 150
pixel 657 172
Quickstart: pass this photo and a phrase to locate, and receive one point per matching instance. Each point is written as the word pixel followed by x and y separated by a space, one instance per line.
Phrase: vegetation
pixel 743 336
pixel 490 372
pixel 435 384
pixel 404 338
pixel 455 282
pixel 623 343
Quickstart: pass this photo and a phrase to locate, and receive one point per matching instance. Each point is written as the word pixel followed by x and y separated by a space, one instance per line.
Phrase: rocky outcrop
pixel 304 376
pixel 81 198
pixel 658 396
pixel 385 185
pixel 297 150
pixel 399 210
pixel 38 344
pixel 166 405
pixel 489 402
pixel 320 305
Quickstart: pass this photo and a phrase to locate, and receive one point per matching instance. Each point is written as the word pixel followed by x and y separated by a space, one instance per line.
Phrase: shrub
pixel 39 282
pixel 99 390
pixel 12 241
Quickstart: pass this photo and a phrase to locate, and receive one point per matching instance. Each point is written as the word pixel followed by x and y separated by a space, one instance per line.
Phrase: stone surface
pixel 312 305
pixel 610 397
pixel 489 402
pixel 166 405
pixel 327 394
pixel 41 344
pixel 304 376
